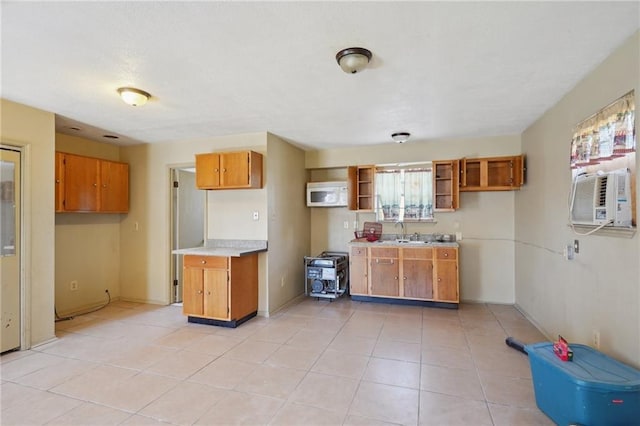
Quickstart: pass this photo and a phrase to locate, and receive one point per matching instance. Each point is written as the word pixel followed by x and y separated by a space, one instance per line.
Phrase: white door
pixel 10 248
pixel 188 228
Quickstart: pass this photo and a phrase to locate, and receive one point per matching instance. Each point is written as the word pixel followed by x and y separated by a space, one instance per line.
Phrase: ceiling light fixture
pixel 400 137
pixel 353 59
pixel 134 97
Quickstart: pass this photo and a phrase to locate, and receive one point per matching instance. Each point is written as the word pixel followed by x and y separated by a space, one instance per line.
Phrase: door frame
pixel 172 169
pixel 25 232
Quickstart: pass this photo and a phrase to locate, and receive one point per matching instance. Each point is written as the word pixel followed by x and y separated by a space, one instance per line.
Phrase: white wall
pixel 486 219
pixel 600 289
pixel 34 131
pixel 289 221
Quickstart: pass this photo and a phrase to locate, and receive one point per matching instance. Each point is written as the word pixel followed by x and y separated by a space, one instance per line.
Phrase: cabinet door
pixel 207 171
pixel 81 183
pixel 384 272
pixel 235 169
pixel 358 280
pixel 216 293
pixel 417 273
pixel 192 291
pixel 445 185
pixel 59 182
pixel 114 187
pixel 446 281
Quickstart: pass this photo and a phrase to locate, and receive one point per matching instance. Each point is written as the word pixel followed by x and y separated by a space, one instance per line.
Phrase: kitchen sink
pixel 401 241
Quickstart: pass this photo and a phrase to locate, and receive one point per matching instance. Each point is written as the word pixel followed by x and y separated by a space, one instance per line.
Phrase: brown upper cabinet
pixel 361 183
pixel 90 185
pixel 492 173
pixel 229 170
pixel 445 185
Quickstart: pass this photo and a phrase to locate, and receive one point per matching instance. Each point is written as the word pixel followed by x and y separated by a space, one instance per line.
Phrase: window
pixel 404 194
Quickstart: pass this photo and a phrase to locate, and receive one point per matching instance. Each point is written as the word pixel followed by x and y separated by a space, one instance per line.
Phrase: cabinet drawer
pixel 447 253
pixel 384 252
pixel 217 262
pixel 358 251
pixel 417 253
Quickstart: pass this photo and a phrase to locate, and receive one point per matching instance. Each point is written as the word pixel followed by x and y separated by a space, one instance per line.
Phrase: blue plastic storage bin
pixel 593 389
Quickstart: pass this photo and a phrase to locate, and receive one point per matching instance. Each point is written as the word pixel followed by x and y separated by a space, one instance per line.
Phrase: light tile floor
pixel 314 363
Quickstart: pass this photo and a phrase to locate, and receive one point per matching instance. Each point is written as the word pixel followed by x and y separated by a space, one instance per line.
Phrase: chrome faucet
pixel 401 226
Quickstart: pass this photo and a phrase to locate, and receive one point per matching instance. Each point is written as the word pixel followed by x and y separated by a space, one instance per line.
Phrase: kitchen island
pixel 405 272
pixel 221 281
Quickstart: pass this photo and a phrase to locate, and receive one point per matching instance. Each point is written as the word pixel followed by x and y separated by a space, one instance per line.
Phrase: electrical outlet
pixel 458 236
pixel 346 224
pixel 355 224
pixel 568 252
pixel 596 339
pixel 73 285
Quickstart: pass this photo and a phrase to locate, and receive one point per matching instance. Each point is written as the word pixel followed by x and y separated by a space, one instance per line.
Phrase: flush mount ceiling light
pixel 353 59
pixel 400 137
pixel 134 97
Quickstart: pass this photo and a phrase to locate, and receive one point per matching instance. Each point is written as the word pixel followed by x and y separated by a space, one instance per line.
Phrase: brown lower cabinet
pixel 220 290
pixel 420 274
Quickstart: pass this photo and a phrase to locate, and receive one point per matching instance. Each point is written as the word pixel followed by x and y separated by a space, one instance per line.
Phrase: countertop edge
pixel 227 248
pixel 408 245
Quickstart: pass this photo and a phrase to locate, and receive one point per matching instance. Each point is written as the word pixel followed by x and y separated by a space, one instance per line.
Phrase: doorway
pixel 10 259
pixel 187 222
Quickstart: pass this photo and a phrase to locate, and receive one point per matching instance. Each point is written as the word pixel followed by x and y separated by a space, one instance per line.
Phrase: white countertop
pixel 226 248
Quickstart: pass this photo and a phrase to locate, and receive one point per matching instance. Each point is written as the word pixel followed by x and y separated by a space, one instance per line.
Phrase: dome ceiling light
pixel 353 59
pixel 134 97
pixel 400 137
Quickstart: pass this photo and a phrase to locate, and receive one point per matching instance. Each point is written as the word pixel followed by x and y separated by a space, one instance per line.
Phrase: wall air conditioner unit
pixel 602 199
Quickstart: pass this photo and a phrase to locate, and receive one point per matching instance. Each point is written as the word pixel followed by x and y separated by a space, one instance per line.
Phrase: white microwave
pixel 326 194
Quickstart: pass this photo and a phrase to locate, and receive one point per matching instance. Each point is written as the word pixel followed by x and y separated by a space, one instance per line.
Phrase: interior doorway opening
pixel 188 214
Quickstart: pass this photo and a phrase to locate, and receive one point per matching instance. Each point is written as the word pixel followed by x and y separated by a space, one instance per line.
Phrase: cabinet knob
pixel 199 291
pixel 404 278
pixel 216 170
pixel 446 255
pixel 224 170
pixel 95 184
pixel 204 261
pixel 104 185
pixel 439 279
pixel 208 293
pixel 57 180
pixel 396 278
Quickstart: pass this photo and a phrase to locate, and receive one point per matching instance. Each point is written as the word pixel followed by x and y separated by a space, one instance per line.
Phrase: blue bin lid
pixel 589 367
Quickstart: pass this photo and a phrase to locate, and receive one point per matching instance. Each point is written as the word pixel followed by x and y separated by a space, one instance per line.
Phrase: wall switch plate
pixel 73 285
pixel 458 236
pixel 346 224
pixel 256 215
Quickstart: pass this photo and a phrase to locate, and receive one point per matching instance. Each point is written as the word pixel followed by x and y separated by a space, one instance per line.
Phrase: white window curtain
pixel 417 194
pixel 404 194
pixel 388 194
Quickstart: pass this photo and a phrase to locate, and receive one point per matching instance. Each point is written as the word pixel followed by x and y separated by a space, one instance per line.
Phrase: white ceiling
pixel 440 69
